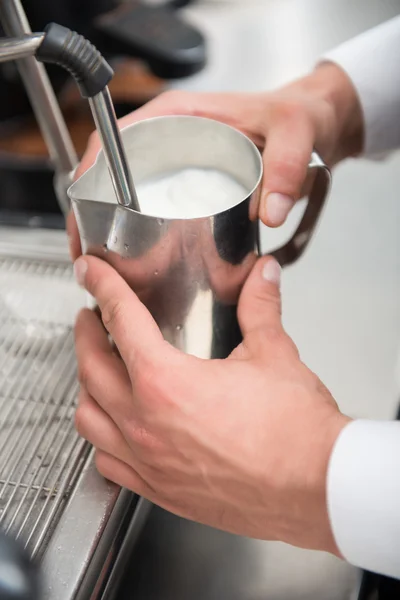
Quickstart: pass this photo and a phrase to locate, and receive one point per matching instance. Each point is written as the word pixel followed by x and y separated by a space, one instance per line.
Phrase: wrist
pixel 317 529
pixel 337 89
pixel 305 519
pixel 334 428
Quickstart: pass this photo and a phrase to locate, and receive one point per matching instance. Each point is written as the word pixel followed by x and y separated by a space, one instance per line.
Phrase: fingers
pixel 259 314
pixel 130 324
pixel 100 371
pixel 74 241
pixel 196 104
pixel 260 301
pixel 286 126
pixel 93 424
pixel 120 473
pixel 289 144
pixel 169 103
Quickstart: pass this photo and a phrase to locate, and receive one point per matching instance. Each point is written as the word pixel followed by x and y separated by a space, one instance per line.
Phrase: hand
pixel 241 444
pixel 319 111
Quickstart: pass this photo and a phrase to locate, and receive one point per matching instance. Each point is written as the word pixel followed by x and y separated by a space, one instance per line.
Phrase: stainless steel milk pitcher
pixel 188 272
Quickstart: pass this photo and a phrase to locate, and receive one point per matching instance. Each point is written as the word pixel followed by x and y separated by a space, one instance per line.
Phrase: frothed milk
pixel 189 193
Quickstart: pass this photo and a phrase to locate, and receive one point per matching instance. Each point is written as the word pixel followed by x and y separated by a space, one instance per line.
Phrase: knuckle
pixel 81 420
pixel 289 167
pixel 268 301
pixel 112 313
pixel 141 437
pixel 261 304
pixel 93 283
pixel 286 108
pixel 156 387
pixel 100 460
pixel 85 372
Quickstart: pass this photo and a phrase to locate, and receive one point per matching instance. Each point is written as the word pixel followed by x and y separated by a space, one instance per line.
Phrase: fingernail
pixel 278 208
pixel 80 268
pixel 272 272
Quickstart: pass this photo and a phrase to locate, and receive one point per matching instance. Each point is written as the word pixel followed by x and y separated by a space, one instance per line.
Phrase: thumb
pixel 260 301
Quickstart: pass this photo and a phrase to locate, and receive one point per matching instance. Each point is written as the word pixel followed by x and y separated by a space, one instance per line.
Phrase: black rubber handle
pixel 156 34
pixel 75 53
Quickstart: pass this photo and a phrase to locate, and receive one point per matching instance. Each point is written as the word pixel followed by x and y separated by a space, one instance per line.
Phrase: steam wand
pixel 92 73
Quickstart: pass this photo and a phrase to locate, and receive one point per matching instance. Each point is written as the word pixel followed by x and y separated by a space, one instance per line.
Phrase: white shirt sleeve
pixel 363 493
pixel 372 61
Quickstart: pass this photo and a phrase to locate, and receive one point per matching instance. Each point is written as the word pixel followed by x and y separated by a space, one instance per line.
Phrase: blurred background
pixel 341 301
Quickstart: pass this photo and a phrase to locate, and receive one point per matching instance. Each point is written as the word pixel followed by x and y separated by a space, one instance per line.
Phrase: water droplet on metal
pixel 126 247
pixel 105 247
pixel 160 221
pixel 178 327
pixel 115 239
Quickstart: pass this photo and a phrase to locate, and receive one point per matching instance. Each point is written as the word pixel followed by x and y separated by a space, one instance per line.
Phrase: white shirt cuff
pixel 372 61
pixel 363 492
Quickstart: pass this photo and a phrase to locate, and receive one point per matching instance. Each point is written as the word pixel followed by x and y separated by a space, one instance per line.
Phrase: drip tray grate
pixel 41 455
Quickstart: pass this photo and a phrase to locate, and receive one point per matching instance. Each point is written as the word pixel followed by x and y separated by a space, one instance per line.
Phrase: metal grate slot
pixel 41 455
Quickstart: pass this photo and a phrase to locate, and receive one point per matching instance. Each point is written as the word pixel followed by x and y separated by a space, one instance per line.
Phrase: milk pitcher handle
pixel 295 247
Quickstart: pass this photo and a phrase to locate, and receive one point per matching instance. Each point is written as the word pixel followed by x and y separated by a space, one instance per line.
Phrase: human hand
pixel 319 111
pixel 241 444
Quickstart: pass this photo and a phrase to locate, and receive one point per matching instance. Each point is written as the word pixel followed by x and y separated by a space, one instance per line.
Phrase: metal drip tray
pixel 51 497
pixel 40 452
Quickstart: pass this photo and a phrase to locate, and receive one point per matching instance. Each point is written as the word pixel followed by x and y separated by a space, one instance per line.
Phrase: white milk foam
pixel 189 193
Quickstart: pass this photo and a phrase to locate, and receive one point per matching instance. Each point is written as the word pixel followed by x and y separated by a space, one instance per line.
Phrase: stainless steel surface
pixel 136 525
pixel 84 548
pixel 43 100
pixel 179 560
pixel 15 48
pixel 340 302
pixel 189 272
pixel 51 496
pixel 40 452
pixel 106 124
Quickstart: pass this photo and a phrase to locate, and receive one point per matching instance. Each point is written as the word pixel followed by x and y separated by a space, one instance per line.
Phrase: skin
pixel 241 444
pixel 320 110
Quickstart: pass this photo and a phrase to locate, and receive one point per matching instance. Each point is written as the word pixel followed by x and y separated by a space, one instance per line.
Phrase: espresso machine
pixel 79 528
pixel 147 44
pixel 62 519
